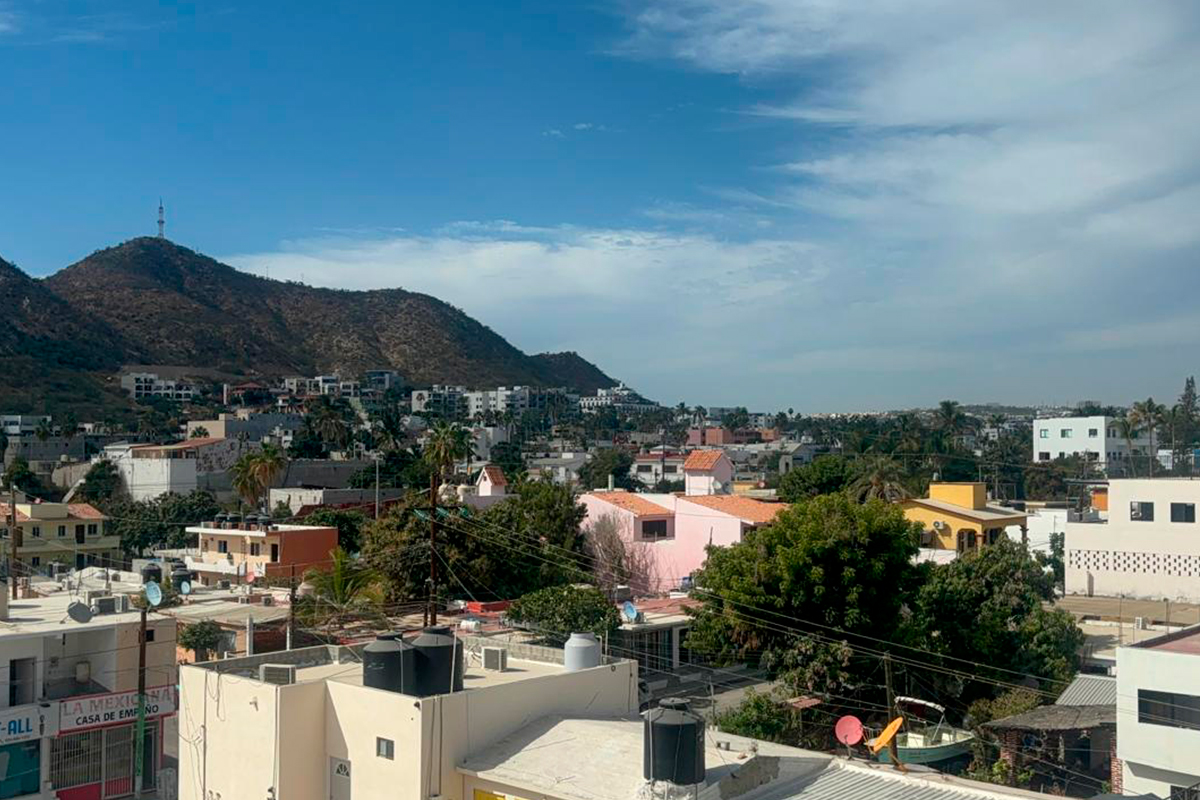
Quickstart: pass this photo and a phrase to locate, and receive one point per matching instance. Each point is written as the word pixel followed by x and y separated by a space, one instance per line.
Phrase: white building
pixel 68 713
pixel 1148 547
pixel 147 478
pixel 445 400
pixel 650 468
pixel 1158 716
pixel 620 398
pixel 1094 438
pixel 145 385
pixel 20 424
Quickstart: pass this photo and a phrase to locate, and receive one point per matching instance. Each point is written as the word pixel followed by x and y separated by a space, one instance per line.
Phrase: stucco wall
pixel 1151 753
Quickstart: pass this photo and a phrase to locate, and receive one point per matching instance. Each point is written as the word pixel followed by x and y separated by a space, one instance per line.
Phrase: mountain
pixel 152 301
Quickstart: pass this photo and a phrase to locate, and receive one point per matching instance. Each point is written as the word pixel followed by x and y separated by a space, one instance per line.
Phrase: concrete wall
pixel 1155 756
pixel 147 478
pixel 1140 559
pixel 968 495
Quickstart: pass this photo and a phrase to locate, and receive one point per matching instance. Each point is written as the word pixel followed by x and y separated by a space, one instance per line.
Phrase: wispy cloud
pixel 9 21
pixel 554 133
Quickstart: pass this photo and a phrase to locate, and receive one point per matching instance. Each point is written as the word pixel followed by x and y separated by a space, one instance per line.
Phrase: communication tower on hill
pixel 162 221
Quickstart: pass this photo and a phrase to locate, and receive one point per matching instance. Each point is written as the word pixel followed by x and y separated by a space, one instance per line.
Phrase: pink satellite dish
pixel 250 577
pixel 848 730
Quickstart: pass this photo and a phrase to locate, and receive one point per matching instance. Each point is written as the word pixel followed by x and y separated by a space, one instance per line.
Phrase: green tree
pixel 509 458
pixel 349 524
pixel 762 716
pixel 825 475
pixel 446 444
pixel 1149 416
pixel 1128 428
pixel 558 611
pixel 609 461
pixel 253 474
pixel 880 478
pixel 545 517
pixel 102 483
pixel 1008 627
pixel 149 524
pixel 345 581
pixel 200 638
pixel 737 419
pixel 200 432
pixel 18 475
pixel 828 560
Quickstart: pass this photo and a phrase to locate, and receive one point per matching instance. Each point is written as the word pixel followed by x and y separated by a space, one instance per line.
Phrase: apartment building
pixel 240 549
pixel 619 398
pixel 1158 717
pixel 68 719
pixel 74 535
pixel 246 425
pixel 1094 438
pixel 447 401
pixel 147 385
pixel 400 718
pixel 1148 545
pixel 21 424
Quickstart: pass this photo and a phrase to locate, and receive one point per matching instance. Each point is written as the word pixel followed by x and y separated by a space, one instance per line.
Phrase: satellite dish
pixel 185 587
pixel 154 594
pixel 629 610
pixel 79 612
pixel 848 730
pixel 881 741
pixel 250 577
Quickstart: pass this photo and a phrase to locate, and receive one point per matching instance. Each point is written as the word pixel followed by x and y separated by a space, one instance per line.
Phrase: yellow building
pixel 956 516
pixel 72 534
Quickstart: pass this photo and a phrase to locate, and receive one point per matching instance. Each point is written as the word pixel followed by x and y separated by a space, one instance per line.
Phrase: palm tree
pixel 1149 415
pixel 268 463
pixel 699 414
pixel 244 478
pixel 346 582
pixel 328 420
pixel 254 473
pixel 43 430
pixel 950 418
pixel 1127 427
pixel 447 443
pixel 881 478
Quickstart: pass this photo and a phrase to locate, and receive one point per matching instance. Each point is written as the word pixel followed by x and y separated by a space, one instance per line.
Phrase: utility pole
pixel 13 537
pixel 433 484
pixel 376 485
pixel 291 609
pixel 140 745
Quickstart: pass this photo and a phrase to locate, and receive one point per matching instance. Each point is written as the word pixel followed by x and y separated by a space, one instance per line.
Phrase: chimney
pixel 611 482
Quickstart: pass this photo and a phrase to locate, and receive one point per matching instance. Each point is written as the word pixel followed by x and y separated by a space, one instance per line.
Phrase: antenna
pixel 162 221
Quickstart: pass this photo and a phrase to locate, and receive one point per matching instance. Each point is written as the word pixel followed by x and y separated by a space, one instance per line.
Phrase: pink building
pixel 669 532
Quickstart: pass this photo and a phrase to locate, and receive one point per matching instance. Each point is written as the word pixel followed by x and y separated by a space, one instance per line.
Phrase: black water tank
pixel 439 656
pixel 178 575
pixel 151 572
pixel 673 743
pixel 387 663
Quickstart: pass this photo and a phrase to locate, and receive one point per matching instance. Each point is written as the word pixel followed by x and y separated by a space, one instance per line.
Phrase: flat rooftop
pixel 1186 641
pixel 39 616
pixel 474 676
pixel 601 759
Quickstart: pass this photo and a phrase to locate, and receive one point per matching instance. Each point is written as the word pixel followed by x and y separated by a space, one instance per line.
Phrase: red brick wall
pixel 1115 767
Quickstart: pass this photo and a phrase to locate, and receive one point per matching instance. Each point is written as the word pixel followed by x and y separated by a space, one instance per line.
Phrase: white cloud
pixel 553 132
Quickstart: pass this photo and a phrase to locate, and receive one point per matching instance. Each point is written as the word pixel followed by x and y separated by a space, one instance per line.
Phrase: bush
pixel 560 611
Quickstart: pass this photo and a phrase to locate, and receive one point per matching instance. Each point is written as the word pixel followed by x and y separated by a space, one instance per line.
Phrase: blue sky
pixel 781 203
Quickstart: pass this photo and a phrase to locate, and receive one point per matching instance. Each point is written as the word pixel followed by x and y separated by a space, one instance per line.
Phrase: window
pixel 1185 793
pixel 1065 433
pixel 670 469
pixel 93 529
pixel 79 529
pixel 35 561
pixel 1093 433
pixel 1171 709
pixel 62 530
pixel 149 635
pixel 385 748
pixel 654 529
pixel 1043 456
pixel 254 548
pixel 222 546
pixel 274 553
pixel 1141 512
pixel 76 759
pixel 1112 433
pixel 1183 512
pixel 37 531
pixel 644 468
pixel 1044 433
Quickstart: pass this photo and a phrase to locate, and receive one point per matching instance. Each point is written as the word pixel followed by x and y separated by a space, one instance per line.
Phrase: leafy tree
pixel 398 468
pixel 825 475
pixel 348 522
pixel 200 638
pixel 307 443
pixel 559 611
pixel 609 461
pixel 200 432
pixel 827 560
pixel 548 518
pixel 761 716
pixel 149 524
pixel 737 419
pixel 509 458
pixel 101 484
pixel 1008 627
pixel 18 475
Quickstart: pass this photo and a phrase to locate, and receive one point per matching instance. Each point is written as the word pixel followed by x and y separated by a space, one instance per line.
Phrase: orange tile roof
pixel 495 475
pixel 84 511
pixel 702 460
pixel 6 511
pixel 632 502
pixel 746 509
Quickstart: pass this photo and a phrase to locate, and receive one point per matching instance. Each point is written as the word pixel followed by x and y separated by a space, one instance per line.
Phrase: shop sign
pixel 77 713
pixel 22 723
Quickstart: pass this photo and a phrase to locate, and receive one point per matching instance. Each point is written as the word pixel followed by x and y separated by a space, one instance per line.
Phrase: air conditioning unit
pixel 105 605
pixel 278 674
pixel 223 584
pixel 268 600
pixel 938 525
pixel 122 603
pixel 1141 624
pixel 495 659
pixel 92 595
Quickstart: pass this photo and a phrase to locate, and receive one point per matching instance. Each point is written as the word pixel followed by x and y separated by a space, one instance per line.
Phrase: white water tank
pixel 581 651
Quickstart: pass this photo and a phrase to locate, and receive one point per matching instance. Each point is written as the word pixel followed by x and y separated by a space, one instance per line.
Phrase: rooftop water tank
pixel 439 662
pixel 151 572
pixel 386 664
pixel 673 743
pixel 581 651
